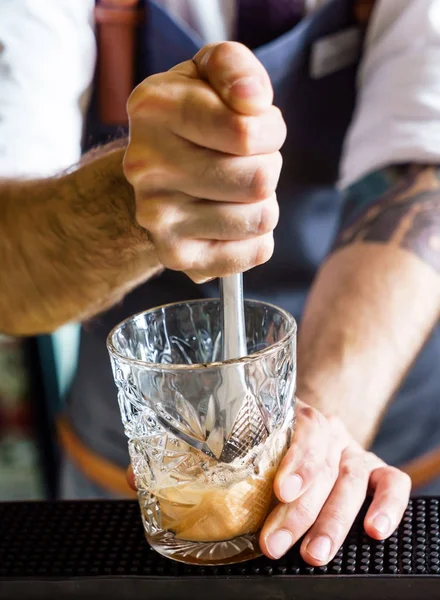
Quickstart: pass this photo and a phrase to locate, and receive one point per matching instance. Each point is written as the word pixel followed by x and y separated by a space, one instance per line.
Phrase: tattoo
pixel 398 206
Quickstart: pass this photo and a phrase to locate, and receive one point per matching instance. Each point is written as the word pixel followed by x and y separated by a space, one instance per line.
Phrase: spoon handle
pixel 232 317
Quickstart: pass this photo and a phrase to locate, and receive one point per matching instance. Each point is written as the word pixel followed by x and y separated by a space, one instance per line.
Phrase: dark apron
pixel 317 113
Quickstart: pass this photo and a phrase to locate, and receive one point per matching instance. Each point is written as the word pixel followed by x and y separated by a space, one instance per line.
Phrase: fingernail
pixel 247 87
pixel 290 488
pixel 382 523
pixel 279 542
pixel 319 548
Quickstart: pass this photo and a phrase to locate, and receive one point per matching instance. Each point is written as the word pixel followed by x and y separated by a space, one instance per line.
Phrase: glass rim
pixel 201 366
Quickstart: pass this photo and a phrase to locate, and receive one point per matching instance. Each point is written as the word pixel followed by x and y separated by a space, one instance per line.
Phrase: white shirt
pixel 398 109
pixel 47 57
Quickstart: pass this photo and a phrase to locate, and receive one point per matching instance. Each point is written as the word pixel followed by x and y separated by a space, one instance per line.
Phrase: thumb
pixel 237 76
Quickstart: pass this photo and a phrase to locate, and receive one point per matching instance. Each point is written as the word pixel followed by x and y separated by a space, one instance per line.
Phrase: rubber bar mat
pixel 90 549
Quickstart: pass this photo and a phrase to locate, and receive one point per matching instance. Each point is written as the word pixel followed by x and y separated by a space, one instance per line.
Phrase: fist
pixel 204 161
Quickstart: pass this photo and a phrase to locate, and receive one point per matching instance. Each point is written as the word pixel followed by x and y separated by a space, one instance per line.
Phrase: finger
pixel 392 490
pixel 305 457
pixel 177 217
pixel 205 120
pixel 341 508
pixel 224 221
pixel 199 278
pixel 191 109
pixel 215 176
pixel 130 478
pixel 202 173
pixel 289 522
pixel 202 260
pixel 237 76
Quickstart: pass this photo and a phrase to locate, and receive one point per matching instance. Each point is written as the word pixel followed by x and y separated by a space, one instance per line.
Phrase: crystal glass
pixel 205 437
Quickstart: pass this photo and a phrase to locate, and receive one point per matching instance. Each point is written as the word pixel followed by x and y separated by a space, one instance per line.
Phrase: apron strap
pixel 363 10
pixel 94 467
pixel 423 470
pixel 117 23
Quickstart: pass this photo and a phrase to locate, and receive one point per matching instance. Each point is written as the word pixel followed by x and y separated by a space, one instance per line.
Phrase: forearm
pixel 69 246
pixel 373 304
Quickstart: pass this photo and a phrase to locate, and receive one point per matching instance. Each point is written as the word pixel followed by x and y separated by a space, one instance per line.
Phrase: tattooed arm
pixel 69 246
pixel 375 299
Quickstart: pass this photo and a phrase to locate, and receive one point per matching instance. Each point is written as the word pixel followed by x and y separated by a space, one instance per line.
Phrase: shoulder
pixel 397 119
pixel 47 58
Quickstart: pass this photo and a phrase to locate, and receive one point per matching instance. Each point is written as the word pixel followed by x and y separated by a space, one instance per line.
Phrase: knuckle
pixel 268 216
pixel 219 261
pixel 263 183
pixel 145 97
pixel 353 469
pixel 304 512
pixel 143 221
pixel 349 470
pixel 221 54
pixel 337 426
pixel 173 258
pixel 132 165
pixel 143 170
pixel 154 214
pixel 312 459
pixel 311 414
pixel 277 165
pixel 264 250
pixel 135 97
pixel 338 516
pixel 335 422
pixel 244 130
pixel 306 412
pixel 198 277
pixel 279 123
pixel 393 475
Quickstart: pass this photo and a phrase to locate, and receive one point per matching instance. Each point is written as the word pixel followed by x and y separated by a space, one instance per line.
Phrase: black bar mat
pixel 91 549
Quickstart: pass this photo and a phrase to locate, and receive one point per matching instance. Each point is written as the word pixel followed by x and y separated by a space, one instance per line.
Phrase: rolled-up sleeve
pixel 47 58
pixel 397 118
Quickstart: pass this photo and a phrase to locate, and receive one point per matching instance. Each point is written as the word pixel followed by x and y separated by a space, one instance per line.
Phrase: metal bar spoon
pixel 232 392
pixel 233 332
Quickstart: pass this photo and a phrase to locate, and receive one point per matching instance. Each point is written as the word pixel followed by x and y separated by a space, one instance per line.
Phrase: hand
pixel 322 483
pixel 204 162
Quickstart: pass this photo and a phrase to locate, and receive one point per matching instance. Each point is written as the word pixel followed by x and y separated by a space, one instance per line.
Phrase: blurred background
pixel 40 135
pixel 34 376
pixel 21 475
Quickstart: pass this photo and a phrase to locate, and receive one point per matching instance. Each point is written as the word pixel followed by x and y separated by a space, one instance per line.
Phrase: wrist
pixel 70 246
pixel 104 199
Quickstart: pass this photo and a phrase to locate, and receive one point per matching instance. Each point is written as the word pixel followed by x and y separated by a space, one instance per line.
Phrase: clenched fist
pixel 204 161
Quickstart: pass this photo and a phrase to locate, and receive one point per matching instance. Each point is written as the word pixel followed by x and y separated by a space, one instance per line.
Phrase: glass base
pixel 227 552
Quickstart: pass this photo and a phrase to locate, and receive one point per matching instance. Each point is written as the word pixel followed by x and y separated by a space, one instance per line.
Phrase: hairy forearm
pixel 69 246
pixel 374 302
